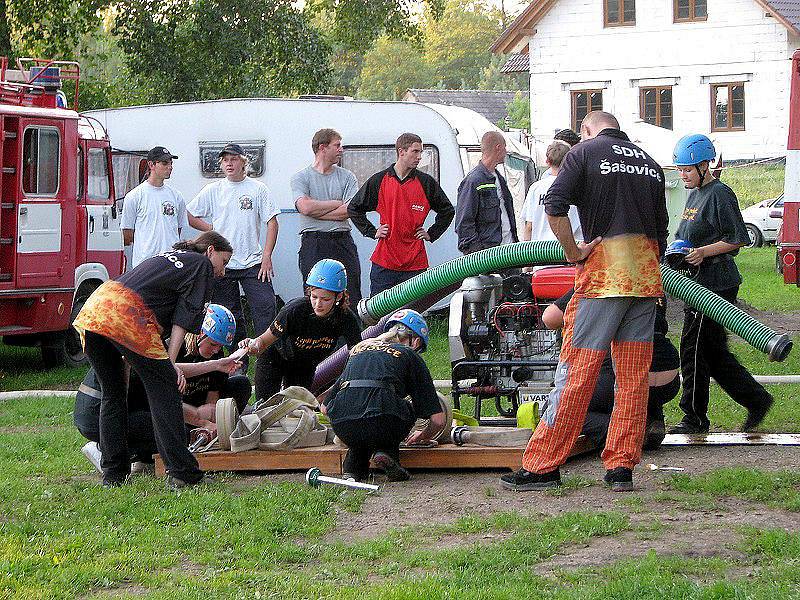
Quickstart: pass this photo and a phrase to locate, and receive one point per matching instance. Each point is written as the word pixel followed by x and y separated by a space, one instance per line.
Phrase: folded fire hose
pixel 286 420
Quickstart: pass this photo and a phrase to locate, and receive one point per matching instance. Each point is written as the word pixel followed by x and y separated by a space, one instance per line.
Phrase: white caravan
pixel 276 134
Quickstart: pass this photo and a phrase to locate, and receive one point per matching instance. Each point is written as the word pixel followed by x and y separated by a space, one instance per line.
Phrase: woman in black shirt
pixel 305 332
pixel 164 296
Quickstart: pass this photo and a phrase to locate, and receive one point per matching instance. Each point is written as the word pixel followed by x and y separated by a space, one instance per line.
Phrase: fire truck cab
pixel 59 226
pixel 789 235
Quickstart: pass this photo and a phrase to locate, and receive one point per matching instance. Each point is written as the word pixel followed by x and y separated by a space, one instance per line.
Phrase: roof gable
pixel 787 12
pixel 492 104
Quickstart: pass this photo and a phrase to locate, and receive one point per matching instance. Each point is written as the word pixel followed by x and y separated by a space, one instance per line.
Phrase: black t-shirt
pixel 175 285
pixel 304 336
pixel 712 215
pixel 197 388
pixel 665 355
pixel 395 364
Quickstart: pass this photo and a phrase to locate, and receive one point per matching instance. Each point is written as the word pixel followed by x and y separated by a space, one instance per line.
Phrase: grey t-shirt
pixel 339 184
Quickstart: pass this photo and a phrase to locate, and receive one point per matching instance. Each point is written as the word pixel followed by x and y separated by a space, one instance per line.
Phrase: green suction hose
pixel 775 345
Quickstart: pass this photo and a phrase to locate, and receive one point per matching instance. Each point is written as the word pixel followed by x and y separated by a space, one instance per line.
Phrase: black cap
pixel 232 149
pixel 159 153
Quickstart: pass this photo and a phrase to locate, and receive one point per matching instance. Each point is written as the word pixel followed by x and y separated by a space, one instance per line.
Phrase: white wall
pixel 738 41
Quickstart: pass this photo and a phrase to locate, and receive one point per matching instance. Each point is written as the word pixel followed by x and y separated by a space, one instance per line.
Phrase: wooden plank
pixel 329 458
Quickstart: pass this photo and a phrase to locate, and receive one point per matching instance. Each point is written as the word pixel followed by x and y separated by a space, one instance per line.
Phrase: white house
pixel 719 67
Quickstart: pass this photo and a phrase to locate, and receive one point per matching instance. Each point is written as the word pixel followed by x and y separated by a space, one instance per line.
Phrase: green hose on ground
pixel 491 260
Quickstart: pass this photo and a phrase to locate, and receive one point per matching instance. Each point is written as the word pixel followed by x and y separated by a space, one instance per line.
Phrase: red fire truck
pixel 788 241
pixel 59 227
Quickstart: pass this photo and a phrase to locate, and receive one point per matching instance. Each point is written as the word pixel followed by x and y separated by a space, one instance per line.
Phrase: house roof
pixel 516 63
pixel 492 104
pixel 787 12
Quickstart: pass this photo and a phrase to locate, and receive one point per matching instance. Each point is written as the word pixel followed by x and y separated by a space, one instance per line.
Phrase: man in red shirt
pixel 402 196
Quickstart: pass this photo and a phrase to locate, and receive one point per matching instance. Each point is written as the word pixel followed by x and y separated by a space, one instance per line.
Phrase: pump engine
pixel 497 338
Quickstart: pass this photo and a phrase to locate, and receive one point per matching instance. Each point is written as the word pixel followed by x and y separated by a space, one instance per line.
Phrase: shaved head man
pixel 595 122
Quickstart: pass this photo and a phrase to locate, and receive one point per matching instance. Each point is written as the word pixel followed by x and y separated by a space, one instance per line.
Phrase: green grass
pixel 762 286
pixel 755 183
pixel 776 488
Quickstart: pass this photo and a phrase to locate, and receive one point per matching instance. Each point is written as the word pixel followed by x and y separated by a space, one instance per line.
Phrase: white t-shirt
pixel 505 223
pixel 237 210
pixel 155 214
pixel 533 212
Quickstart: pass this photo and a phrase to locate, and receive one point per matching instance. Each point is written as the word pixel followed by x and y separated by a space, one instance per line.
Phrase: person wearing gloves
pixel 367 406
pixel 206 370
pixel 306 331
pixel 711 231
pixel 128 318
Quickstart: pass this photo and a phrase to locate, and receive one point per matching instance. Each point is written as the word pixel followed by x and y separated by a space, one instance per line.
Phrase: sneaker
pixel 393 469
pixel 92 451
pixel 139 467
pixel 654 434
pixel 685 427
pixel 619 479
pixel 349 477
pixel 756 415
pixel 176 484
pixel 525 481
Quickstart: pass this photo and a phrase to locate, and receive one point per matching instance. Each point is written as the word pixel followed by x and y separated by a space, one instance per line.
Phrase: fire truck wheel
pixel 66 349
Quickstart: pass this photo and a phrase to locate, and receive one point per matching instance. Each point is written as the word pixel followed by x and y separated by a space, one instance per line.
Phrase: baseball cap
pixel 232 149
pixel 160 153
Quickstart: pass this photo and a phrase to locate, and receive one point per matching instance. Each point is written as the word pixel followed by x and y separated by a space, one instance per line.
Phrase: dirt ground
pixel 782 322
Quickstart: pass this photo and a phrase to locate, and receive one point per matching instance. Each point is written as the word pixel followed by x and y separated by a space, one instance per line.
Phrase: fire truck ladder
pixel 9 185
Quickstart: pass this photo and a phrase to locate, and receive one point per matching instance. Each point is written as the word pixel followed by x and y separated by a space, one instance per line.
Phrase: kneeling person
pixel 366 405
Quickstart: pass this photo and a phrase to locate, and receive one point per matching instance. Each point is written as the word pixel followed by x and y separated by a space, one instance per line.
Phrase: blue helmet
pixel 328 274
pixel 692 150
pixel 414 321
pixel 675 254
pixel 219 324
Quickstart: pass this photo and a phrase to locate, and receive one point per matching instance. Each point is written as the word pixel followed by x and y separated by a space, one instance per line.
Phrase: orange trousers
pixel 592 326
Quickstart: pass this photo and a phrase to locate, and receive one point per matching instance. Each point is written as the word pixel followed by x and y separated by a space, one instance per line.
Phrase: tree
pixel 519 113
pixel 390 68
pixel 494 79
pixel 48 28
pixel 216 48
pixel 457 44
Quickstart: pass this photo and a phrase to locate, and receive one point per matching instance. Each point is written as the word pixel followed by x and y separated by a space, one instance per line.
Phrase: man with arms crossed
pixel 321 193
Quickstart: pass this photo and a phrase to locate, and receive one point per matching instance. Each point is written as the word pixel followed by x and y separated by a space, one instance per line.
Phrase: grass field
pixel 754 183
pixel 721 530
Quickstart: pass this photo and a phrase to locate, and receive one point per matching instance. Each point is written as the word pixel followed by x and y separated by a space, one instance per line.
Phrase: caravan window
pixel 97 171
pixel 209 157
pixel 365 161
pixel 41 159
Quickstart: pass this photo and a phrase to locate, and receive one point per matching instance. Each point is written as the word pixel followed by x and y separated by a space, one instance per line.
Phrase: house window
pixel 584 102
pixel 619 13
pixel 727 107
pixel 690 10
pixel 655 106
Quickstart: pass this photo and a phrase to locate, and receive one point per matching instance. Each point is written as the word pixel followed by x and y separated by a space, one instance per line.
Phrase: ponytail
pixel 201 243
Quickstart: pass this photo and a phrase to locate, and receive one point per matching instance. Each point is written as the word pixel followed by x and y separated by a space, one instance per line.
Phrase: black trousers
pixel 141 442
pixel 339 245
pixel 595 426
pixel 365 437
pixel 381 278
pixel 273 373
pixel 705 354
pixel 161 385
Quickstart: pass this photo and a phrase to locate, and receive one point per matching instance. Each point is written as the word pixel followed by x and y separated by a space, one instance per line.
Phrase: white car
pixel 762 221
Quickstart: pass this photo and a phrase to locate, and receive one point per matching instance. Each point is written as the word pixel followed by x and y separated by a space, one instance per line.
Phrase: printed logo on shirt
pixel 689 214
pixel 168 208
pixel 245 203
pixel 418 207
pixel 606 166
pixel 171 257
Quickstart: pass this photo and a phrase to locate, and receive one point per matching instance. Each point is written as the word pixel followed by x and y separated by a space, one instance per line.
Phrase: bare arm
pixel 527 231
pixel 175 342
pixel 435 423
pixel 697 255
pixel 316 208
pixel 261 343
pixel 338 214
pixel 198 223
pixel 207 366
pixel 127 236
